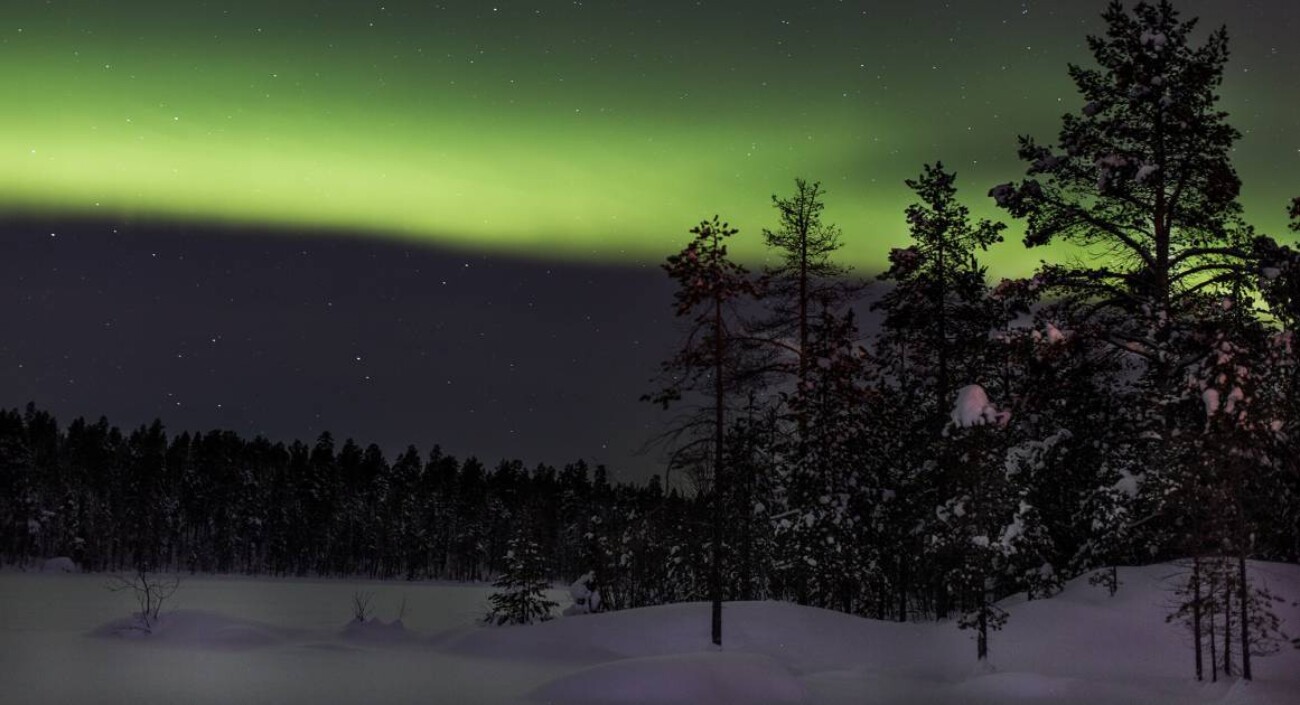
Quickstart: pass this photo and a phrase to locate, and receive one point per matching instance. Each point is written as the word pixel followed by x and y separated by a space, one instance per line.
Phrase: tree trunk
pixel 942 601
pixel 1196 616
pixel 715 570
pixel 1214 658
pixel 902 589
pixel 747 536
pixel 803 309
pixel 1227 623
pixel 1243 590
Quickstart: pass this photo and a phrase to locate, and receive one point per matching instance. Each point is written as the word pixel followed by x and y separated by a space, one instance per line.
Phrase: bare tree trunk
pixel 715 570
pixel 1214 658
pixel 1196 616
pixel 1227 624
pixel 1243 590
pixel 902 589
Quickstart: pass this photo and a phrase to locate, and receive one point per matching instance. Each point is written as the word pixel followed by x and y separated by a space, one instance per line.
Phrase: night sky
pixel 418 222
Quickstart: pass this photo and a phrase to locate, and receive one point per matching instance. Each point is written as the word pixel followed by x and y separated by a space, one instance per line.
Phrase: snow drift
pixel 683 678
pixel 1081 647
pixel 196 629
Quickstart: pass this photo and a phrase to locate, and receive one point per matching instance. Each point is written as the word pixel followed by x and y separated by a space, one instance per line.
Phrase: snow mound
pixel 377 631
pixel 803 639
pixel 62 564
pixel 1082 645
pixel 196 629
pixel 706 677
pixel 1016 686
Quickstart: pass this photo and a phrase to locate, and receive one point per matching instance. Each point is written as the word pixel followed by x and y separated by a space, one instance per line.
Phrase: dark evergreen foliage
pixel 217 502
pixel 520 596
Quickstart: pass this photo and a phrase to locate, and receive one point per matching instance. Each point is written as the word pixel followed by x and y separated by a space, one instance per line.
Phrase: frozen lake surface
pixel 267 640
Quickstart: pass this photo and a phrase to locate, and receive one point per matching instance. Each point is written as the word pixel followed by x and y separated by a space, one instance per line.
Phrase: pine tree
pixel 805 279
pixel 709 285
pixel 1142 174
pixel 520 596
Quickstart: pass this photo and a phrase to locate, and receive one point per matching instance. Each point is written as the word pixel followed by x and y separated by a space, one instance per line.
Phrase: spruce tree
pixel 520 596
pixel 978 522
pixel 934 338
pixel 937 313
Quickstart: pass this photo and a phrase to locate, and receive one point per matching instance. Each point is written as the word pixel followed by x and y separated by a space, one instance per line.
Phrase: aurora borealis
pixel 589 130
pixel 420 222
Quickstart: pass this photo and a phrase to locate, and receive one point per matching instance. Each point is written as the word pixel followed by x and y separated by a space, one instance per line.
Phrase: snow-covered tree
pixel 586 598
pixel 979 520
pixel 1141 178
pixel 1142 173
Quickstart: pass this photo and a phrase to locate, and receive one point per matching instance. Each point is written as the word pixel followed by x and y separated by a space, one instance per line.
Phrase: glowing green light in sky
pixel 568 131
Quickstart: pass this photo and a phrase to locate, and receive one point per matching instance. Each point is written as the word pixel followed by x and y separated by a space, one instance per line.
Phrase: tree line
pixel 217 502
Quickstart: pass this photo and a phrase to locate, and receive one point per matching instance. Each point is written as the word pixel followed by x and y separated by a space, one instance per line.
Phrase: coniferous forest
pixel 1136 401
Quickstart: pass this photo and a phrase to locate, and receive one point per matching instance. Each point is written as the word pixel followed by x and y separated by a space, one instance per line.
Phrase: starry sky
pixel 419 222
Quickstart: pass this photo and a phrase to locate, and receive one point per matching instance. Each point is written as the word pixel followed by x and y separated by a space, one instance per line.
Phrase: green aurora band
pixel 597 132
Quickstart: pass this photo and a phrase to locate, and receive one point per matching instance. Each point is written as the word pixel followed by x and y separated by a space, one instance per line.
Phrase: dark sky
pixel 287 336
pixel 498 182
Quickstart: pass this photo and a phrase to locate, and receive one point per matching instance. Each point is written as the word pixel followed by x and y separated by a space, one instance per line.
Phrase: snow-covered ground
pixel 240 640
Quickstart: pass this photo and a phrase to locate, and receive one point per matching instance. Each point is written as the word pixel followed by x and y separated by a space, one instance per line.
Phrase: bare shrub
pixel 150 592
pixel 361 609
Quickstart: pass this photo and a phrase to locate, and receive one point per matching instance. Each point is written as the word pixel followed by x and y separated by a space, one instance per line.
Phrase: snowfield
pixel 65 639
